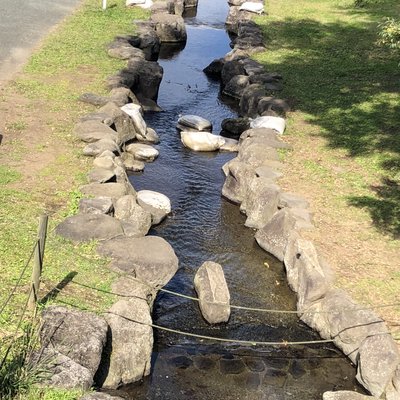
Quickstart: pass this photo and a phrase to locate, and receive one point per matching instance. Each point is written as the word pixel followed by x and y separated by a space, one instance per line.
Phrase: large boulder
pixel 135 112
pixel 276 123
pixel 249 100
pixel 136 221
pixel 157 204
pixel 261 202
pixel 149 41
pixel 169 28
pixel 128 353
pixel 113 190
pixel 274 236
pixel 202 141
pixel 236 86
pixel 98 205
pixel 194 122
pixel 267 137
pixel 101 175
pixel 377 362
pixel 151 259
pixel 142 152
pixel 230 69
pixel 77 335
pixel 213 293
pixel 234 127
pixel 256 153
pixel 94 130
pixel 86 227
pixel 96 148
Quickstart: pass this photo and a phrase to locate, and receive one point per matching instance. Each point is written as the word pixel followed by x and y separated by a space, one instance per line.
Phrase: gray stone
pixel 127 286
pixel 157 204
pixel 93 99
pixel 254 364
pixel 231 367
pixel 236 86
pixel 231 145
pixel 269 173
pixel 304 218
pixel 93 130
pixel 121 96
pixel 142 152
pixel 96 148
pixel 113 190
pixel 393 389
pixel 261 202
pixel 308 273
pixel 231 69
pixel 249 100
pixel 151 136
pixel 235 18
pixel 125 52
pixel 237 181
pixel 100 396
pixel 271 103
pixel 151 259
pixel 96 116
pixel 63 372
pixel 256 153
pixel 377 361
pixel 169 28
pixel 292 200
pixel 337 316
pixel 190 3
pixel 124 125
pixel 105 162
pixel 99 205
pixel 148 78
pixel 131 342
pixel 267 137
pixel 273 237
pixel 131 164
pixel 214 69
pixel 234 127
pixel 78 335
pixel 86 227
pixel 100 175
pixel 149 40
pixel 345 395
pixel 136 220
pixel 213 293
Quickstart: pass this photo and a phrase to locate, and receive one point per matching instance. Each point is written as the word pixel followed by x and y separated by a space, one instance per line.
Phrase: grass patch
pixel 73 60
pixel 345 87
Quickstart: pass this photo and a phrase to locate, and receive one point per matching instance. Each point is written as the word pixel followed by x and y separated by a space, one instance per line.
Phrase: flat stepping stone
pixel 100 175
pixel 195 122
pixel 276 123
pixel 156 203
pixel 99 205
pixel 202 141
pixel 86 227
pixel 142 152
pixel 131 164
pixel 96 148
pixel 230 145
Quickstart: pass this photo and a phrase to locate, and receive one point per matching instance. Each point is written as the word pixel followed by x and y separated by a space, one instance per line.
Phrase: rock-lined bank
pixel 279 217
pixel 123 190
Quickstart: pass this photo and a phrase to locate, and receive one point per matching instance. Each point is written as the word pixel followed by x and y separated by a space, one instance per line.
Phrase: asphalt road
pixel 23 24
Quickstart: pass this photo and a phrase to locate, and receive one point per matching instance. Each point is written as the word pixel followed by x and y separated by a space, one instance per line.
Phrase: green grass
pixel 71 61
pixel 346 87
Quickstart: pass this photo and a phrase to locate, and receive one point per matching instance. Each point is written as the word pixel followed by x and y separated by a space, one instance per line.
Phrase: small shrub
pixel 389 34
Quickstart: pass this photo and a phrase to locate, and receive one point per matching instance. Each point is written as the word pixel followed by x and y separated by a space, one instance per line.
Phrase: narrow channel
pixel 203 226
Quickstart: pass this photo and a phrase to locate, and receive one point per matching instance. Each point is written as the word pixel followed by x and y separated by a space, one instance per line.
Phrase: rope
pixel 19 279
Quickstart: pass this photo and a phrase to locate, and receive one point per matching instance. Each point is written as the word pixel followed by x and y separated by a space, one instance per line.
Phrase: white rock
pixel 156 203
pixel 202 141
pixel 146 4
pixel 142 152
pixel 134 111
pixel 252 7
pixel 276 123
pixel 134 2
pixel 195 122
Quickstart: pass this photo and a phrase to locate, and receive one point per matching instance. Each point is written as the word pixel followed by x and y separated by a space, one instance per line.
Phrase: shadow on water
pixel 203 226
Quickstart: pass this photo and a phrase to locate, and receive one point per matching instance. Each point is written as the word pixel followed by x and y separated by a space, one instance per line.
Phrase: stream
pixel 203 226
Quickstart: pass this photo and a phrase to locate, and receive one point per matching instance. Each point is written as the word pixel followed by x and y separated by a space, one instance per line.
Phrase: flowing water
pixel 202 227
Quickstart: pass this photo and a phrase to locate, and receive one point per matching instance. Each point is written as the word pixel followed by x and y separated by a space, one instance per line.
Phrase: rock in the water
pixel 276 123
pixel 195 122
pixel 231 145
pixel 113 190
pixel 98 205
pixel 136 220
pixel 215 68
pixel 105 162
pixel 142 152
pixel 86 227
pixel 134 111
pixel 250 98
pixel 274 236
pixel 78 335
pixel 236 86
pixel 234 127
pixel 169 28
pixel 131 343
pixel 157 204
pixel 213 293
pixel 130 164
pixel 377 362
pixel 151 259
pixel 151 136
pixel 202 141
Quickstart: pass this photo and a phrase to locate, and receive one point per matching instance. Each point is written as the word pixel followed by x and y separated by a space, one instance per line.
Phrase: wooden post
pixel 104 4
pixel 38 261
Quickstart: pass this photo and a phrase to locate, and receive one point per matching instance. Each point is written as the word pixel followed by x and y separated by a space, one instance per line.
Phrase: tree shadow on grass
pixel 349 88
